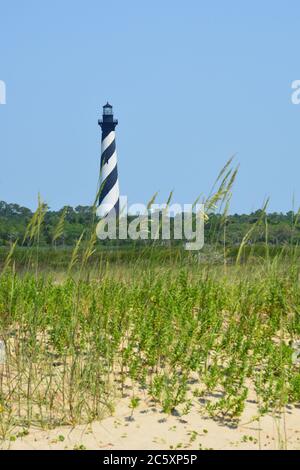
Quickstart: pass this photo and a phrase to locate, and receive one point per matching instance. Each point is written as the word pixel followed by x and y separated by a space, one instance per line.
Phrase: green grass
pixel 82 327
pixel 72 345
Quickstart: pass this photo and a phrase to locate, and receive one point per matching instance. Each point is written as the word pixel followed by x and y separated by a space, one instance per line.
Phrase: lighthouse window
pixel 107 111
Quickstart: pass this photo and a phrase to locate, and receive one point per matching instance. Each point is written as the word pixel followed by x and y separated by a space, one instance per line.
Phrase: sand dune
pixel 149 428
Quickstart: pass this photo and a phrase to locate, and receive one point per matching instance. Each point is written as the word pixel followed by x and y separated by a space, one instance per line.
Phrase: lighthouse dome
pixel 107 109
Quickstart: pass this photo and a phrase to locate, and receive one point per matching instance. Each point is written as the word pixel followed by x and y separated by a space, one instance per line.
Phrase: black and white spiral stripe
pixel 109 183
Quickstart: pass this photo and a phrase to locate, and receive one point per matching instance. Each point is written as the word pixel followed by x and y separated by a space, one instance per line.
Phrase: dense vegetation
pixel 190 336
pixel 14 220
pixel 188 330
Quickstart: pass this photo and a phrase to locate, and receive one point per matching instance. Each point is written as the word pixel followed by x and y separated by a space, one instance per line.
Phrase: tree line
pixel 276 228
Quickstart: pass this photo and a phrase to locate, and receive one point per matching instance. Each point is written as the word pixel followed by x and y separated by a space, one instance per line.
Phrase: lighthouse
pixel 109 183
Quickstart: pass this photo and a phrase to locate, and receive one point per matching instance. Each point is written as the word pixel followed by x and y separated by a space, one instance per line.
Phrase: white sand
pixel 151 429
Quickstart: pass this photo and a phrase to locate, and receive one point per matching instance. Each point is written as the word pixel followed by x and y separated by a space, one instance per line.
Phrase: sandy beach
pixel 149 428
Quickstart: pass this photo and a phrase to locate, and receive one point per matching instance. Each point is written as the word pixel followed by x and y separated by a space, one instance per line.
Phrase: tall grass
pixel 155 323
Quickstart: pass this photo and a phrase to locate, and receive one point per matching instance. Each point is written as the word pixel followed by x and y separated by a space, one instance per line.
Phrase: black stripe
pixel 116 207
pixel 114 211
pixel 108 184
pixel 105 132
pixel 107 127
pixel 108 153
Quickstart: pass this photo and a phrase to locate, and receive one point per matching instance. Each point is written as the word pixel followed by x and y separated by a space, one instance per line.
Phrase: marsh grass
pixel 156 321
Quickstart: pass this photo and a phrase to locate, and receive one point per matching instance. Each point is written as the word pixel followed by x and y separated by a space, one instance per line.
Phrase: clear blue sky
pixel 191 83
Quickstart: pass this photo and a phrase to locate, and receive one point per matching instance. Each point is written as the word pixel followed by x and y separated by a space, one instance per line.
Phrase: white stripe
pixel 109 166
pixel 109 201
pixel 107 141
